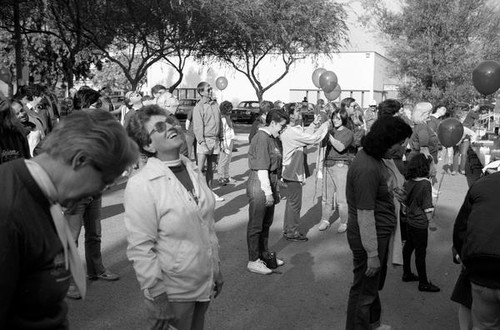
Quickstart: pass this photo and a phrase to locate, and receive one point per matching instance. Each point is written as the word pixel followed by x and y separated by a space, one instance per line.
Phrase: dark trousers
pixel 292 207
pixel 260 217
pixel 364 307
pixel 416 240
pixel 88 213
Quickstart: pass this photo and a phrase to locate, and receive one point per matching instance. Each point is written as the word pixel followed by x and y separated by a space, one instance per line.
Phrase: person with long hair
pixel 169 216
pixel 13 141
pixel 33 134
pixel 336 163
pixel 371 220
pixel 264 161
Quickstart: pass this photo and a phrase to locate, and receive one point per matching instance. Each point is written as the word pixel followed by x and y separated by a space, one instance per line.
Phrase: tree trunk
pixel 177 83
pixel 260 95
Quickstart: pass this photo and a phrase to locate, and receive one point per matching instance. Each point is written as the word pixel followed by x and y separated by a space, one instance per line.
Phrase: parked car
pixel 306 110
pixel 246 111
pixel 185 107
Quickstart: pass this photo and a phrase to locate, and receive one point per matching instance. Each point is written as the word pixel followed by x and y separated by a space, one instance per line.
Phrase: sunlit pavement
pixel 311 291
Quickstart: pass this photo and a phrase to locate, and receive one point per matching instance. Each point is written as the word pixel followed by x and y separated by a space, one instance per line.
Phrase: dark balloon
pixel 486 77
pixel 328 81
pixel 221 83
pixel 315 76
pixel 450 132
pixel 333 95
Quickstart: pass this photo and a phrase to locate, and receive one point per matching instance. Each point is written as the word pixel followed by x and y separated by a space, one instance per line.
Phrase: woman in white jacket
pixel 169 216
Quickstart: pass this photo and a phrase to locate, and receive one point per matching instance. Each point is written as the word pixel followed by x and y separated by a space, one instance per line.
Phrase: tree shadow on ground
pixel 111 210
pixel 231 207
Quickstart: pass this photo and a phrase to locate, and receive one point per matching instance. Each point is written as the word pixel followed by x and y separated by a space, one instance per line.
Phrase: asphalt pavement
pixel 312 289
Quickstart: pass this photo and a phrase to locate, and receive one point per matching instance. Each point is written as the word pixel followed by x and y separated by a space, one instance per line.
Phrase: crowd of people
pixel 376 170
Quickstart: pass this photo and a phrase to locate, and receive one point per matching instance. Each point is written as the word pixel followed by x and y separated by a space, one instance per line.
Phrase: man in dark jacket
pixel 476 238
pixel 83 154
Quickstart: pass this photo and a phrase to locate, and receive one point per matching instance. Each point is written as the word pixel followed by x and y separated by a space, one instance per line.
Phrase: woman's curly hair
pixel 384 133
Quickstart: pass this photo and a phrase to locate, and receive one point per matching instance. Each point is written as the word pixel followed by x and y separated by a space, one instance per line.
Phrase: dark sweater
pixel 33 277
pixel 477 231
pixel 13 145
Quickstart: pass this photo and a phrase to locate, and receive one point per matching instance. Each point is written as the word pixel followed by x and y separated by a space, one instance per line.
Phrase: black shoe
pixel 410 277
pixel 428 287
pixel 296 237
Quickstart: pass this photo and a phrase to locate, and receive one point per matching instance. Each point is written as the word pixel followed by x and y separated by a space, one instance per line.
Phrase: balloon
pixel 221 83
pixel 315 76
pixel 450 132
pixel 486 77
pixel 5 75
pixel 328 81
pixel 333 95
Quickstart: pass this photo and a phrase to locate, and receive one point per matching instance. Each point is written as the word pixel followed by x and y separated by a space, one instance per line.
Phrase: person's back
pixel 479 247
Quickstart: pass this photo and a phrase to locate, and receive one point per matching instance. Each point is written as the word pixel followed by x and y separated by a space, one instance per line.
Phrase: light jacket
pixel 171 237
pixel 207 120
pixel 294 139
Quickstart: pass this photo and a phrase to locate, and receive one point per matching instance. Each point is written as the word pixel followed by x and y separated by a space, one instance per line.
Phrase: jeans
pixel 334 200
pixel 224 161
pixel 485 307
pixel 260 217
pixel 88 212
pixel 460 156
pixel 416 240
pixel 364 307
pixel 292 207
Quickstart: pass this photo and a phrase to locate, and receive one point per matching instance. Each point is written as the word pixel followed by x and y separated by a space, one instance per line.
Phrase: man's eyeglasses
pixel 209 89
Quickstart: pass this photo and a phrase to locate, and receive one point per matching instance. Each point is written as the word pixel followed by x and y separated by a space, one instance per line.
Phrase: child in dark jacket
pixel 418 189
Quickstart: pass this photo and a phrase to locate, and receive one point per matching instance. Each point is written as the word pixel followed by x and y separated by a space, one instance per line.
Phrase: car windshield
pixel 248 105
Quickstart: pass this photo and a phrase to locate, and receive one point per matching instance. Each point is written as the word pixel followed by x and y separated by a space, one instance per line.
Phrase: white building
pixel 362 75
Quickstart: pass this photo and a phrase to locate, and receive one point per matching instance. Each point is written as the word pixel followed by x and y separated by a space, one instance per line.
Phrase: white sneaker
pixel 218 198
pixel 323 225
pixel 383 327
pixel 258 266
pixel 279 262
pixel 342 228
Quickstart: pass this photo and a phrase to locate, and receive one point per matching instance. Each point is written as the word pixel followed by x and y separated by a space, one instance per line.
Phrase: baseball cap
pixel 373 103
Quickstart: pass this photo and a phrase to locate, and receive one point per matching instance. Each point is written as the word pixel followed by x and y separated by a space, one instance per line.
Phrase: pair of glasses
pixel 159 127
pixel 209 89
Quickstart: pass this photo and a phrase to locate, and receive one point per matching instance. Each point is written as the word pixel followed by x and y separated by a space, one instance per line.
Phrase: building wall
pixel 359 74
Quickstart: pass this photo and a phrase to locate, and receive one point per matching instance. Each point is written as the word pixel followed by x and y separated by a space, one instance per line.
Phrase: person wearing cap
pixel 85 153
pixel 370 114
